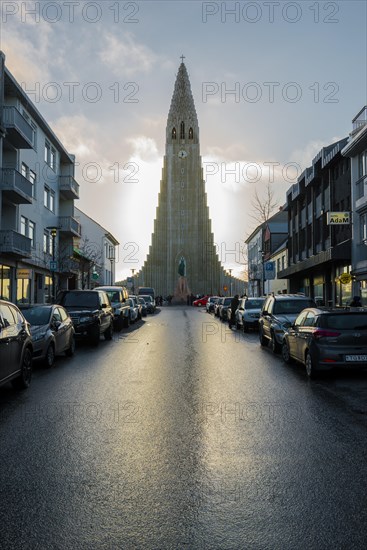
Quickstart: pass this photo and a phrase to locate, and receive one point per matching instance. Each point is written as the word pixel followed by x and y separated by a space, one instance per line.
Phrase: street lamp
pixel 111 257
pixel 263 270
pixel 133 287
pixel 53 266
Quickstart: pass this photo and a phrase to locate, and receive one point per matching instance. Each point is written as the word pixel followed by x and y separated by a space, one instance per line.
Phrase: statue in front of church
pixel 182 267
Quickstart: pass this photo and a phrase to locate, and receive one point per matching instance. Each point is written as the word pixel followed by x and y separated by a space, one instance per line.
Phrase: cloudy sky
pixel 273 82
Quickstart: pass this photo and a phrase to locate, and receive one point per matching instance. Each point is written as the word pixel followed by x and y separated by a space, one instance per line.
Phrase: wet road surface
pixel 183 434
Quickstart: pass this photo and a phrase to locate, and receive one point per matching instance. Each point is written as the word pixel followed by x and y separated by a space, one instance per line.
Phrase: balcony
pixel 69 188
pixel 69 225
pixel 14 243
pixel 18 131
pixel 15 187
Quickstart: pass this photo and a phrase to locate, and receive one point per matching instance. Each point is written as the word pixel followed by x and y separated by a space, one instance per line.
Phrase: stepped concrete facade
pixel 182 256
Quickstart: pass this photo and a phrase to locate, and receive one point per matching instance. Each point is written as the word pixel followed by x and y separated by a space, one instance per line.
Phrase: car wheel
pixel 24 379
pixel 50 356
pixel 263 340
pixel 274 344
pixel 108 333
pixel 71 349
pixel 126 321
pixel 310 366
pixel 94 336
pixel 245 327
pixel 286 356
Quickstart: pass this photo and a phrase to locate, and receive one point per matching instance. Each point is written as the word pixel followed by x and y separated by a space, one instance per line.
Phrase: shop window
pixel 23 291
pixel 4 282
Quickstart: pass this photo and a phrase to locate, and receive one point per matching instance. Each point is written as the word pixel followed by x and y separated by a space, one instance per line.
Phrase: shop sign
pixel 24 274
pixel 338 218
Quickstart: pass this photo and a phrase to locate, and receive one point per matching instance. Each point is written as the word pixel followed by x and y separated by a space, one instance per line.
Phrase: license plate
pixel 356 358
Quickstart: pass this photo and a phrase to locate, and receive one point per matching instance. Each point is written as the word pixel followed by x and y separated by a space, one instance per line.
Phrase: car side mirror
pixel 104 306
pixel 56 325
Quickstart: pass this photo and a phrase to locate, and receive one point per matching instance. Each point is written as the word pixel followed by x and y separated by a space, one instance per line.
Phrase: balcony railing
pixel 19 132
pixel 68 224
pixel 14 243
pixel 69 187
pixel 15 186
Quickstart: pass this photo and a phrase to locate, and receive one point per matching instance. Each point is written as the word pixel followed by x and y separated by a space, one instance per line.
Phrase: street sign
pixel 53 265
pixel 95 275
pixel 338 218
pixel 269 270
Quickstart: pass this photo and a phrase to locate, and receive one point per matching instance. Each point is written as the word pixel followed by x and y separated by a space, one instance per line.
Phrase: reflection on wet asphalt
pixel 183 434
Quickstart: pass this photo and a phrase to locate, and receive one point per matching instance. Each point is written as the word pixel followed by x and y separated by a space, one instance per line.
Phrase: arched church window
pixel 191 134
pixel 174 133
pixel 182 130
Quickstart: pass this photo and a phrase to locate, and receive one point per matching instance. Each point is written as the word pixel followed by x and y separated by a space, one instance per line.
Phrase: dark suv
pixel 16 347
pixel 324 338
pixel 90 311
pixel 277 315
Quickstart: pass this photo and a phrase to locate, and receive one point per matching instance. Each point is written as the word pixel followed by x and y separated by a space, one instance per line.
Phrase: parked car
pixel 278 313
pixel 16 347
pixel 223 308
pixel 144 307
pixel 200 301
pixel 52 332
pixel 325 338
pixel 118 296
pixel 217 306
pixel 211 303
pixel 248 313
pixel 135 308
pixel 91 313
pixel 150 302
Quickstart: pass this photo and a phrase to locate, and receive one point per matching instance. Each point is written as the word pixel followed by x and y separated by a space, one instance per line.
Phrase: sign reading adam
pixel 338 218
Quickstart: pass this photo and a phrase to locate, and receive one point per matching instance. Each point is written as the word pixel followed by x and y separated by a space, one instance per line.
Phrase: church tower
pixel 182 241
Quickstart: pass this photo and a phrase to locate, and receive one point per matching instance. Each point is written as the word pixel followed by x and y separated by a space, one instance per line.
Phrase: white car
pixel 248 313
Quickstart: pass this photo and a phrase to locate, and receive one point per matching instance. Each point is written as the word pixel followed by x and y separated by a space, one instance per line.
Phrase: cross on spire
pixel 182 58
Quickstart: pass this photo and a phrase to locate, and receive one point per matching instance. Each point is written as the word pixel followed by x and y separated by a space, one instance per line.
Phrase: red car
pixel 201 301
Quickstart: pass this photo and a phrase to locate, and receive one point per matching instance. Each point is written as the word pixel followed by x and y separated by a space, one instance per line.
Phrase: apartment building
pixel 319 248
pixel 356 150
pixel 98 253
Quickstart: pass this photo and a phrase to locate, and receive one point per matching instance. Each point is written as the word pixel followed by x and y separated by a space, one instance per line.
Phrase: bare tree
pixel 263 206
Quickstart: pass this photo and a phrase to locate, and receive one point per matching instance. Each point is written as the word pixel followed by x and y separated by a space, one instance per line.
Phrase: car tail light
pixel 323 333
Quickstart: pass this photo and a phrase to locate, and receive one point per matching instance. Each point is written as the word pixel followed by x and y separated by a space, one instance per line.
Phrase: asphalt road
pixel 181 434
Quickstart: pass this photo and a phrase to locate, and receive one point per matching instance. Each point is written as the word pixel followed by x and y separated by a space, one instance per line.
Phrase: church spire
pixel 182 117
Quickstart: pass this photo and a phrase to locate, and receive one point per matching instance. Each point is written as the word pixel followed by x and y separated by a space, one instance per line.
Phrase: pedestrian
pixel 356 302
pixel 234 306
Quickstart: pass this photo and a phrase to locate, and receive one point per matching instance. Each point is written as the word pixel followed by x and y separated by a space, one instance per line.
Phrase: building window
pixel 23 291
pixel 191 134
pixel 50 155
pixel 47 243
pixel 49 199
pixel 363 225
pixel 278 265
pixel 182 130
pixel 48 290
pixel 31 176
pixel 28 228
pixel 362 164
pixel 34 129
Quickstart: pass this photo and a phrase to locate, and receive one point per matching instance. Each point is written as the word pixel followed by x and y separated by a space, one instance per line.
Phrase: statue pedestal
pixel 181 291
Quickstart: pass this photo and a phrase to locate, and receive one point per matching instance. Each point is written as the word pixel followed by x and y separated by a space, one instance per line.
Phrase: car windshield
pixel 38 316
pixel 291 306
pixel 113 295
pixel 80 299
pixel 227 301
pixel 254 304
pixel 141 301
pixel 347 321
pixel 147 298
